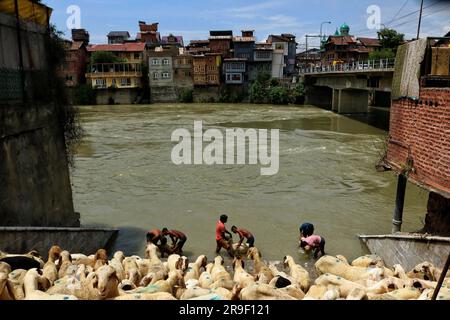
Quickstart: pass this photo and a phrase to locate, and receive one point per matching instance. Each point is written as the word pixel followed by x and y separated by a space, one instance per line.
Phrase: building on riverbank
pixel 221 42
pixel 261 62
pixel 73 70
pixel 345 48
pixel 286 43
pixel 118 82
pixel 419 144
pixel 118 37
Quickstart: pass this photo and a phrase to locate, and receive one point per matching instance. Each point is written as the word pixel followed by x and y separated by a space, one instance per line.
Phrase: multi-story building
pixel 118 82
pixel 183 71
pixel 73 70
pixel 285 42
pixel 345 48
pixel 309 58
pixel 118 37
pixel 198 47
pixel 261 62
pixel 148 33
pixel 244 45
pixel 221 42
pixel 161 73
pixel 235 70
pixel 172 40
pixel 207 69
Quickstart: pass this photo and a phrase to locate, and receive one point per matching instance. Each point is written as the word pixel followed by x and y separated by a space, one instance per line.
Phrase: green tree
pixel 278 95
pixel 187 96
pixel 382 54
pixel 258 93
pixel 390 39
pixel 104 57
pixel 84 95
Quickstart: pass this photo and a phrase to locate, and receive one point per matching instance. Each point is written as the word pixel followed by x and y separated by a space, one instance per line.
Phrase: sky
pixel 194 18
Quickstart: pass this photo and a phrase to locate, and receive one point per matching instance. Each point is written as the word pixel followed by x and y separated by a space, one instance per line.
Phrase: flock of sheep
pixel 68 276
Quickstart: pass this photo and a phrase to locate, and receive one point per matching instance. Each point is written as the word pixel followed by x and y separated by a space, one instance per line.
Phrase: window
pixel 125 82
pixel 166 75
pixel 165 62
pixel 100 82
pixel 155 75
pixel 137 56
pixel 187 73
pixel 279 46
pixel 155 62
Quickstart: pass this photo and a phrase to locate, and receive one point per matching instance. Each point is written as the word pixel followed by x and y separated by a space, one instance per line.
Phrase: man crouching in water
pixel 221 239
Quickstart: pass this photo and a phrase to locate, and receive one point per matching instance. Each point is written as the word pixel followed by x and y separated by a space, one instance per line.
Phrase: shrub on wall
pixel 187 96
pixel 84 95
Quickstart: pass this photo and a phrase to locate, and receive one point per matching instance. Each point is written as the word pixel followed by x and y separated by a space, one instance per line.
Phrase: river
pixel 124 178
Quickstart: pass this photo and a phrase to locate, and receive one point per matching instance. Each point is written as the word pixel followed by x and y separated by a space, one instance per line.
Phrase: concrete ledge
pixel 408 250
pixel 76 240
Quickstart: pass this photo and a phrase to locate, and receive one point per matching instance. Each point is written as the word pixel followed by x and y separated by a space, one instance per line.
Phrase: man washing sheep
pixel 154 236
pixel 178 239
pixel 314 242
pixel 221 236
pixel 244 234
pixel 310 241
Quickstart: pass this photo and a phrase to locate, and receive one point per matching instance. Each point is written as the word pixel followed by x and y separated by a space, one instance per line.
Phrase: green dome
pixel 345 29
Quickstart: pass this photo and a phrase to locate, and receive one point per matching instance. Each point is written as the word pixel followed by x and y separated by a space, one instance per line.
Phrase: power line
pixel 399 11
pixel 414 20
pixel 401 18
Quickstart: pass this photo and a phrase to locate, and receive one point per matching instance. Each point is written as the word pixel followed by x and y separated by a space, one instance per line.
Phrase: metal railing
pixel 358 66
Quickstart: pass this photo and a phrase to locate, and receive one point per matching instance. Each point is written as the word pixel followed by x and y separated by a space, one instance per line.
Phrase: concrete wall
pixel 35 187
pixel 319 96
pixel 164 94
pixel 119 96
pixel 75 240
pixel 437 220
pixel 206 94
pixel 353 101
pixel 423 127
pixel 409 253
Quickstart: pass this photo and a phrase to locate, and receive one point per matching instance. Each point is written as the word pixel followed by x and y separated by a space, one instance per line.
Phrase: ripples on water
pixel 124 178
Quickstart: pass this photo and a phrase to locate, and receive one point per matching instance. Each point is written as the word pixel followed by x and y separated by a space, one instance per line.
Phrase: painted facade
pixel 287 44
pixel 207 69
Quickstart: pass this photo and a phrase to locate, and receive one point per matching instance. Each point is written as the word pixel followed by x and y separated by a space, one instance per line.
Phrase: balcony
pixel 262 55
pixel 114 70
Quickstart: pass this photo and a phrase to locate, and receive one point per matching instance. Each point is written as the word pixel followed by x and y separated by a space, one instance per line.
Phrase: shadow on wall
pixel 131 241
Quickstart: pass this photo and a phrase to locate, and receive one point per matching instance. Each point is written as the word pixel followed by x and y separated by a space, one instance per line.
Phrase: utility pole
pixel 420 20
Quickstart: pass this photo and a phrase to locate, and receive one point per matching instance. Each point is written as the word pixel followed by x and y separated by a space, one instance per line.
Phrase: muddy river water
pixel 124 178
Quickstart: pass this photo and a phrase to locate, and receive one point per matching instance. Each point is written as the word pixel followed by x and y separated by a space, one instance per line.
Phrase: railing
pixel 358 66
pixel 114 74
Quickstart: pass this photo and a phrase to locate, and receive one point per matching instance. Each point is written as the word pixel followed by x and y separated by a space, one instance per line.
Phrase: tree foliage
pixel 104 57
pixel 186 96
pixel 382 54
pixel 68 115
pixel 390 39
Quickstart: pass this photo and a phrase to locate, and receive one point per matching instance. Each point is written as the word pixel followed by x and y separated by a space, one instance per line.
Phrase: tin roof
pixel 123 47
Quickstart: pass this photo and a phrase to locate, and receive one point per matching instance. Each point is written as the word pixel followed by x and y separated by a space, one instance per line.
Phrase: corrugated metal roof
pixel 124 47
pixel 244 39
pixel 119 34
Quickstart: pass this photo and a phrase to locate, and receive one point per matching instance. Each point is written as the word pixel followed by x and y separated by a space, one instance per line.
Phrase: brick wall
pixel 424 128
